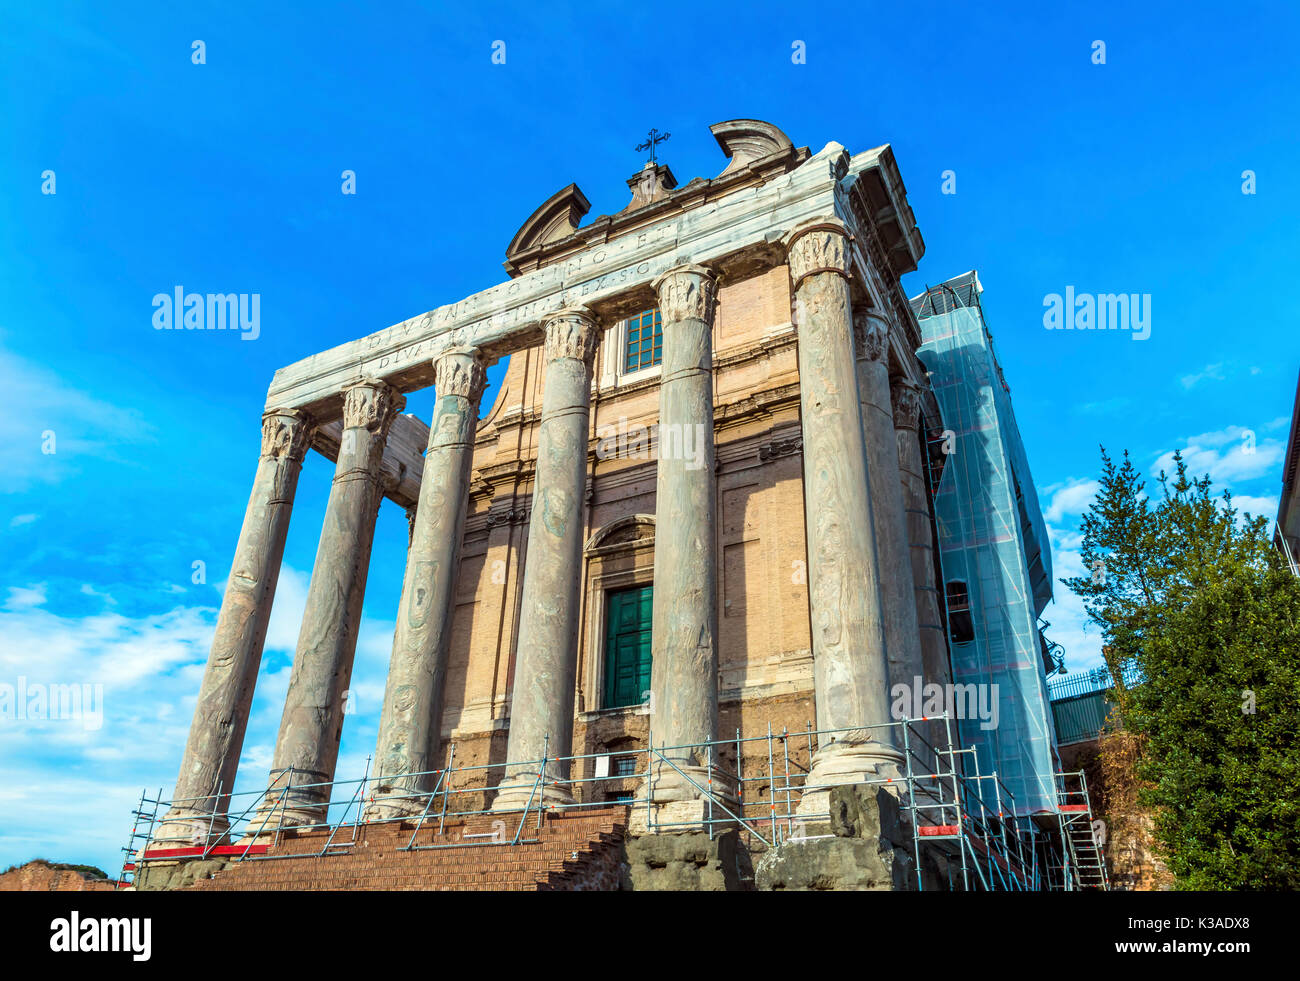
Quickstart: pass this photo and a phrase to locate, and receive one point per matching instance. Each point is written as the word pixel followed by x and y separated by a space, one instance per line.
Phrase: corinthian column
pixel 411 722
pixel 684 650
pixel 850 664
pixel 541 704
pixel 322 665
pixel 221 714
pixel 871 337
pixel 916 502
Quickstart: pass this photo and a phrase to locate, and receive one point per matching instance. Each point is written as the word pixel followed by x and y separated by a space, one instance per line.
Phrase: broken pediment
pixel 557 218
pixel 747 140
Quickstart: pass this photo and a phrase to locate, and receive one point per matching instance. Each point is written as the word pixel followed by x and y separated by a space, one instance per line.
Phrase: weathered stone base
pixel 680 817
pixel 160 876
pixel 848 764
pixel 686 862
pixel 179 829
pixel 518 791
pixel 867 848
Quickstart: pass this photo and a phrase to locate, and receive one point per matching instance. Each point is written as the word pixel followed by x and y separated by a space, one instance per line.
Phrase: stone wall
pixel 42 876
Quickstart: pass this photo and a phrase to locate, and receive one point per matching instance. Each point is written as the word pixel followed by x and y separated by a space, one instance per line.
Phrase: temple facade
pixel 698 507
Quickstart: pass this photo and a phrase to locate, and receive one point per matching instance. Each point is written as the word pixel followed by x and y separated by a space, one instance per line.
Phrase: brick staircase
pixel 578 850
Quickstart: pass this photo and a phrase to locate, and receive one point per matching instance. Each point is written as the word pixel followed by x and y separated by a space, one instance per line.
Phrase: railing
pixel 1087 682
pixel 758 786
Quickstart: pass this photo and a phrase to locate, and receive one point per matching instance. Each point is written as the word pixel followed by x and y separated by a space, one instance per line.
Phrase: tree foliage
pixel 1195 597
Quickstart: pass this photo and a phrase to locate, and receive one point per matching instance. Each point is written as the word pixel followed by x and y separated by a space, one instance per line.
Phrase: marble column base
pixel 397 807
pixel 516 790
pixel 850 763
pixel 680 817
pixel 286 808
pixel 666 784
pixel 186 828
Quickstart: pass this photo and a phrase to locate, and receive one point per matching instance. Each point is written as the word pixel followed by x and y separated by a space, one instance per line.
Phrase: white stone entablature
pixel 738 232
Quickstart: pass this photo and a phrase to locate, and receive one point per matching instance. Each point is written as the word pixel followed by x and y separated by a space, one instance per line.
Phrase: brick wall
pixel 572 851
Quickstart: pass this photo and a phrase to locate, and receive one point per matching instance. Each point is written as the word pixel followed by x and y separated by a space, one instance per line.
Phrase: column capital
pixel 870 335
pixel 907 404
pixel 459 371
pixel 286 434
pixel 687 292
pixel 572 333
pixel 371 404
pixel 816 246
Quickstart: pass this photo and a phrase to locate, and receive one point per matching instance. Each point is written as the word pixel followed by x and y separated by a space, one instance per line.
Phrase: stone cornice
pixel 736 234
pixel 759 152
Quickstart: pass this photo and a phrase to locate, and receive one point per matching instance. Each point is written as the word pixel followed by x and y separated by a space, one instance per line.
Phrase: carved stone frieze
pixel 786 446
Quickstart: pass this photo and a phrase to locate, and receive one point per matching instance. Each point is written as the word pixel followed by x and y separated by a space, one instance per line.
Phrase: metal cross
pixel 654 140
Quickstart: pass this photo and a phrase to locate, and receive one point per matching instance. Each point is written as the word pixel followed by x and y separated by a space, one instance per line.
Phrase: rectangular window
pixel 627 646
pixel 961 625
pixel 645 340
pixel 624 766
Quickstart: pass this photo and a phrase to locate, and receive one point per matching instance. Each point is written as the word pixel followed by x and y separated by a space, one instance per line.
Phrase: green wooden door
pixel 627 646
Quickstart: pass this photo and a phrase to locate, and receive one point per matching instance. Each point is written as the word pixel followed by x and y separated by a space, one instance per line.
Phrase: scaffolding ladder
pixel 1084 863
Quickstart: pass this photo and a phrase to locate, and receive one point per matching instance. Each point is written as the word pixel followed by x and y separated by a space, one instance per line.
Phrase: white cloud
pixel 1233 453
pixel 1211 372
pixel 25 597
pixel 88 590
pixel 1258 507
pixel 39 402
pixel 67 789
pixel 1073 497
pixel 22 519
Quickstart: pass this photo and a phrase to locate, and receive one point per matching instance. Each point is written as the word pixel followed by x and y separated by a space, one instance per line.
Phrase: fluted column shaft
pixel 902 642
pixel 312 723
pixel 850 664
pixel 221 714
pixel 541 704
pixel 684 649
pixel 935 666
pixel 411 721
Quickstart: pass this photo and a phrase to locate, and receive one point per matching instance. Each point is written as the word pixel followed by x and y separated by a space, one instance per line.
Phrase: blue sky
pixel 226 177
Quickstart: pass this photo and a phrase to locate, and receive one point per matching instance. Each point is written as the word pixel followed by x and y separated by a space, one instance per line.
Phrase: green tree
pixel 1200 603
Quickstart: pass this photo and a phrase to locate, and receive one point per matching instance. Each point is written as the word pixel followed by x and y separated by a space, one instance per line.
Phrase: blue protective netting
pixel 991 539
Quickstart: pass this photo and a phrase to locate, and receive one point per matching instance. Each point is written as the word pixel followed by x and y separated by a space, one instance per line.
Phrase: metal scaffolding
pixel 957 818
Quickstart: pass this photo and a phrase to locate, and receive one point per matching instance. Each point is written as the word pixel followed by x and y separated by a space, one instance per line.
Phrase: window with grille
pixel 645 340
pixel 623 766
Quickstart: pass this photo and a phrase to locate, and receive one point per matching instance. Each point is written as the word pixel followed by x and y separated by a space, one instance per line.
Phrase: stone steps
pixel 576 851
